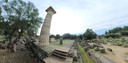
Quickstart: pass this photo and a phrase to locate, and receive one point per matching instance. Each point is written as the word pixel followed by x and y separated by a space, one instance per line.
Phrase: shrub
pixel 124 33
pixel 123 40
pixel 109 49
pixel 125 45
pixel 120 44
pixel 96 49
pixel 102 50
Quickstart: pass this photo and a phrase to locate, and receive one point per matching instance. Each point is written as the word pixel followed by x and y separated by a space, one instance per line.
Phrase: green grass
pixel 64 42
pixel 85 57
pixel 56 44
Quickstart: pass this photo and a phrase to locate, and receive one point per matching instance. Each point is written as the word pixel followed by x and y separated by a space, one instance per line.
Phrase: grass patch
pixel 64 42
pixel 56 44
pixel 85 57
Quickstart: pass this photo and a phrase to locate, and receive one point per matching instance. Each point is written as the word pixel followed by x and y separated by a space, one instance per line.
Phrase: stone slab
pixel 64 49
pixel 53 59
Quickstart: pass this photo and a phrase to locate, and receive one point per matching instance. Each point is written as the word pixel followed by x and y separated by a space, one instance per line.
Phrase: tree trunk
pixel 14 47
pixel 15 41
pixel 9 46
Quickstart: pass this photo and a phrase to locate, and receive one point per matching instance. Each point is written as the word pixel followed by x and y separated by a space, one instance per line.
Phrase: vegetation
pixel 85 57
pixel 18 19
pixel 89 34
pixel 117 36
pixel 52 36
pixel 57 36
pixel 64 42
pixel 122 41
pixel 2 38
pixel 69 36
pixel 117 32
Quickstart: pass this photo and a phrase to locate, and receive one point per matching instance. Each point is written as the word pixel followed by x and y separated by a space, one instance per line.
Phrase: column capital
pixel 51 9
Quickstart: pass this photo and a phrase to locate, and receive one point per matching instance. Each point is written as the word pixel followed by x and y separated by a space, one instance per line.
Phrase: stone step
pixel 60 56
pixel 60 53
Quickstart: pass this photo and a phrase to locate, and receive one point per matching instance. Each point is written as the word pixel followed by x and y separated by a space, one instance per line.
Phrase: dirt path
pixel 118 55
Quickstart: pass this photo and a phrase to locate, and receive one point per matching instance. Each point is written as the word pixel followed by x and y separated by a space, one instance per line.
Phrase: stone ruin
pixel 91 47
pixel 45 31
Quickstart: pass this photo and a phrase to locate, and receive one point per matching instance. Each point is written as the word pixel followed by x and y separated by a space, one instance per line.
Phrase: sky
pixel 75 16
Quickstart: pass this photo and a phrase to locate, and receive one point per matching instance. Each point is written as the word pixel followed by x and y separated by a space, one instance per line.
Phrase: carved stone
pixel 45 31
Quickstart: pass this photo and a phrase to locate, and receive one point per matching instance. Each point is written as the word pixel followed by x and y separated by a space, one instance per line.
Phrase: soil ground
pixel 118 55
pixel 15 57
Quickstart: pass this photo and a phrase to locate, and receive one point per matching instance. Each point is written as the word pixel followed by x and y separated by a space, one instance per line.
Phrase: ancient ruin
pixel 45 31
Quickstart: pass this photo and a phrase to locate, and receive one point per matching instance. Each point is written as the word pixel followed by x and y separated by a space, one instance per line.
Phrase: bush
pixel 113 35
pixel 124 33
pixel 123 40
pixel 109 49
pixel 120 44
pixel 102 50
pixel 96 49
pixel 125 45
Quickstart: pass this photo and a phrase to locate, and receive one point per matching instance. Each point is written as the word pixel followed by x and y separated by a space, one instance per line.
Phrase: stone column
pixel 45 31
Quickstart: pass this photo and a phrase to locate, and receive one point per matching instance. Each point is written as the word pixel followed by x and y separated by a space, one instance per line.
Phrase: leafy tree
pixel 115 30
pixel 57 36
pixel 89 34
pixel 73 36
pixel 69 36
pixel 125 28
pixel 66 36
pixel 17 18
pixel 80 36
pixel 112 35
pixel 52 36
pixel 106 32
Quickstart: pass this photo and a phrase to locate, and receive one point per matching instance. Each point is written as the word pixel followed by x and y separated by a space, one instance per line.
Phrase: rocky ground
pixel 118 55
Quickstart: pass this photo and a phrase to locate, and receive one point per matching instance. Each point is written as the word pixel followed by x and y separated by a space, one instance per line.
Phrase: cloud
pixel 75 16
pixel 66 21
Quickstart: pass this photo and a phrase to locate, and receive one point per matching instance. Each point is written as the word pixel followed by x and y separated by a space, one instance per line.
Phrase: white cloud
pixel 66 21
pixel 75 16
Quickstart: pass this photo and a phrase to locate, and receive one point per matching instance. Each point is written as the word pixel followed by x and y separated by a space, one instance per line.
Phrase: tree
pixel 112 35
pixel 66 36
pixel 52 36
pixel 125 28
pixel 89 34
pixel 57 36
pixel 18 17
pixel 115 30
pixel 80 36
pixel 106 32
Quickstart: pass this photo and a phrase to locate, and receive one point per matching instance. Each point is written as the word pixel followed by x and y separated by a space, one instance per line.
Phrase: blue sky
pixel 75 16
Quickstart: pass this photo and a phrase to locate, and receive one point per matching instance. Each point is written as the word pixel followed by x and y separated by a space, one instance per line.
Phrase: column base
pixel 43 44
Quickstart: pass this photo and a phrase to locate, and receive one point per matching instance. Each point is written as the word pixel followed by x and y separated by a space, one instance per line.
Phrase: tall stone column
pixel 45 31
